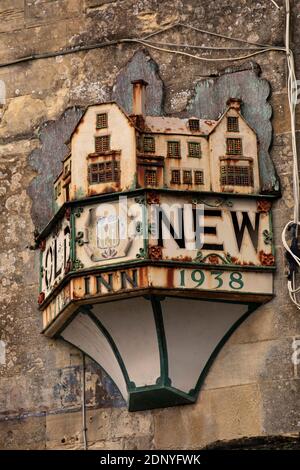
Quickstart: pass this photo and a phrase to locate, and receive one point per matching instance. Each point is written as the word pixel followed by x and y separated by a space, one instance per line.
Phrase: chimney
pixel 138 97
pixel 234 103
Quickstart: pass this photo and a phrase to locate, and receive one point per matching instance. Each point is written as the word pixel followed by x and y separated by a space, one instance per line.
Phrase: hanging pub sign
pixel 159 222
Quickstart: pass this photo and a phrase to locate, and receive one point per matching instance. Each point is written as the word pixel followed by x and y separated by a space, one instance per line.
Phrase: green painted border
pixel 164 263
pixel 73 237
pixel 148 398
pixel 145 223
pixel 162 342
pixel 161 394
pixel 88 310
pixel 138 192
pixel 251 308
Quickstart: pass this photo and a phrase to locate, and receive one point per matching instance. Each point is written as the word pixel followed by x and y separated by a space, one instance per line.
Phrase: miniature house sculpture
pixel 113 152
pixel 161 244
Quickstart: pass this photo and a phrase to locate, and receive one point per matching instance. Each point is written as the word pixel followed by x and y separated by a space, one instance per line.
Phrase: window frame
pixel 192 143
pixel 190 172
pixel 173 170
pixel 232 128
pixel 172 142
pixel 147 171
pixel 115 172
pixel 152 147
pixel 234 177
pixel 234 152
pixel 97 121
pixel 194 129
pixel 98 137
pixel 202 177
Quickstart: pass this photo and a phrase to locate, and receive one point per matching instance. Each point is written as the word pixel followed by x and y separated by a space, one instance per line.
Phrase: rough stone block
pixel 11 15
pixel 23 435
pixel 225 413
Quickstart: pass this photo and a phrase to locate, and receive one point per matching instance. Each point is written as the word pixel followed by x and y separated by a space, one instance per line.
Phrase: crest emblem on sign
pixel 108 232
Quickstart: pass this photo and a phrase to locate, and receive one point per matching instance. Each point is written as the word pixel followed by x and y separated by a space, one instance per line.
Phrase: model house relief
pixel 111 151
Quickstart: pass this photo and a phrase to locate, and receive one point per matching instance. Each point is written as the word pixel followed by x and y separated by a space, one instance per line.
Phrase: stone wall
pixel 253 388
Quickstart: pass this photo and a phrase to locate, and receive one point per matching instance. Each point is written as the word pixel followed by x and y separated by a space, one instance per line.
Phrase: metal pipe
pixel 84 428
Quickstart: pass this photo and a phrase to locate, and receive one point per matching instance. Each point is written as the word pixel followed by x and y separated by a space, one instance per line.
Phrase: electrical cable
pixel 292 251
pixel 84 428
pixel 143 40
pixel 137 41
pixel 213 48
pixel 209 59
pixel 293 255
pixel 276 5
pixel 204 31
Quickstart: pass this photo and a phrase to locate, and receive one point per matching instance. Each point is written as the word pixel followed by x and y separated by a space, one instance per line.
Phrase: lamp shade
pixel 154 348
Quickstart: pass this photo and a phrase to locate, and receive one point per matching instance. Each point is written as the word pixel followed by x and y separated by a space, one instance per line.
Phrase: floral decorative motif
pixel 215 203
pixel 266 259
pixel 109 253
pixel 139 227
pixel 141 254
pixel 153 198
pixel 155 252
pixel 78 211
pixel 263 205
pixel 41 298
pixel 199 256
pixel 140 199
pixel 214 258
pixel 79 238
pixel 77 264
pixel 268 237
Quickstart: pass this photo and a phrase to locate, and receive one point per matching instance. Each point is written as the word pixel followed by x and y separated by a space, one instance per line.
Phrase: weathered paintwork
pixel 245 83
pixel 227 233
pixel 156 216
pixel 194 282
pixel 178 156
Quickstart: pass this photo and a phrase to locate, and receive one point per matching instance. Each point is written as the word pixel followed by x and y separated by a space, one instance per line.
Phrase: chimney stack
pixel 138 98
pixel 234 103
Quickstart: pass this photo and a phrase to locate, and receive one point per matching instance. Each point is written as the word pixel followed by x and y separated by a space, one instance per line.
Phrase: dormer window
pixel 232 124
pixel 101 121
pixel 194 125
pixel 149 144
pixel 234 146
pixel 194 149
pixel 102 143
pixel 173 149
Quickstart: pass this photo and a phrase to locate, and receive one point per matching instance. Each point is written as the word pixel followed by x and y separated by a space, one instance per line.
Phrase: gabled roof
pixel 166 124
pixel 241 116
pixel 100 104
